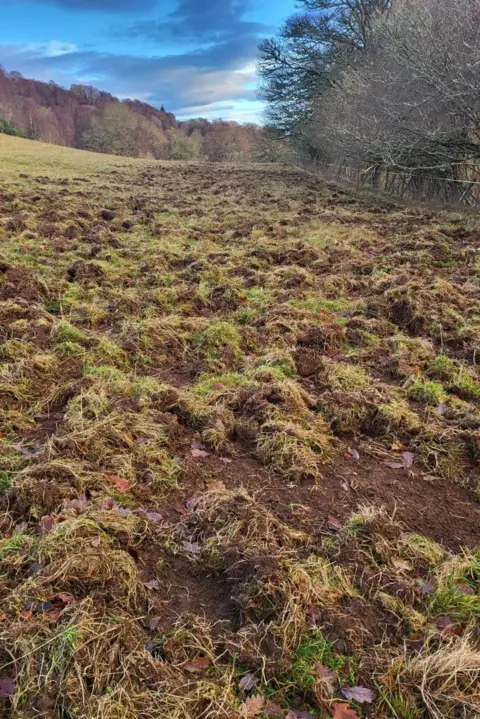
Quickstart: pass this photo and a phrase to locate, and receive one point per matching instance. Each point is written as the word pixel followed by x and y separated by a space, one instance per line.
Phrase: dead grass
pixel 170 334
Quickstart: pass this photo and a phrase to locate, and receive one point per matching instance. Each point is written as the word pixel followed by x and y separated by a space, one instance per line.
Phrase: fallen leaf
pixel 226 460
pixel 63 597
pixel 248 682
pixel 3 617
pixel 155 517
pixel 152 584
pixel 46 524
pixel 333 524
pixel 398 447
pixel 415 643
pixel 354 453
pixel 314 615
pixel 26 615
pixel 343 711
pixel 296 714
pixel 394 465
pixel 465 589
pixel 252 706
pixel 215 486
pixel 7 688
pixel 427 588
pixel 96 542
pixel 442 409
pixel 197 665
pixel 155 649
pixel 327 678
pixel 362 695
pixel 408 459
pixel 122 484
pixel 54 615
pixel 76 506
pixel 199 453
pixel 192 503
pixel 272 710
pixel 401 565
pixel 192 547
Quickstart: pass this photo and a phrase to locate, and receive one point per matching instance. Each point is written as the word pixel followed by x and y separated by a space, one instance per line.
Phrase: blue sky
pixel 196 57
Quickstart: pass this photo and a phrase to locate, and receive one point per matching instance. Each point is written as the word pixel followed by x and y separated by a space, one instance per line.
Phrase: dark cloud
pixel 112 6
pixel 201 21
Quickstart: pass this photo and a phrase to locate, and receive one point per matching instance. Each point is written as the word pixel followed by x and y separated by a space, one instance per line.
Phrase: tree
pixel 181 146
pixel 120 131
pixel 304 61
pixel 7 129
pixel 414 102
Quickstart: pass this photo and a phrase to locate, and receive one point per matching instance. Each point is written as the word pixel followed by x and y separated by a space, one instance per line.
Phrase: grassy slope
pixel 191 358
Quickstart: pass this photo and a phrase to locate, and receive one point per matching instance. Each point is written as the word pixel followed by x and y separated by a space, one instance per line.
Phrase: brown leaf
pixel 253 706
pixel 155 517
pixel 7 688
pixel 333 524
pixel 152 584
pixel 46 523
pixel 3 617
pixel 215 486
pixel 63 597
pixel 314 615
pixel 354 453
pixel 26 615
pixel 76 506
pixel 327 679
pixel 401 565
pixel 192 503
pixel 248 682
pixel 343 711
pixel 297 714
pixel 398 447
pixel 408 459
pixel 273 711
pixel 54 615
pixel 199 453
pixel 96 542
pixel 120 483
pixel 192 547
pixel 415 643
pixel 362 695
pixel 197 665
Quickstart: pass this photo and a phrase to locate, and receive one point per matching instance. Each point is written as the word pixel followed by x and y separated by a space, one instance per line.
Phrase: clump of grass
pixel 424 390
pixel 220 341
pixel 455 376
pixel 296 449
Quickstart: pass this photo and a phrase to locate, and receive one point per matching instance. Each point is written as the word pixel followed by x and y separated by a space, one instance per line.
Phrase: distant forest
pixel 90 119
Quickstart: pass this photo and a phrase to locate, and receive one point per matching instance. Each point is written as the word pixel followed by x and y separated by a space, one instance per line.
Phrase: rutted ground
pixel 240 447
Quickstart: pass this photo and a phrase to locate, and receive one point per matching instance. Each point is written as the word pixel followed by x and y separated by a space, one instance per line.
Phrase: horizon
pixel 196 58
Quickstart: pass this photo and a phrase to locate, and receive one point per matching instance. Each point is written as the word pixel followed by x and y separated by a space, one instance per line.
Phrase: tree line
pixel 87 118
pixel 383 84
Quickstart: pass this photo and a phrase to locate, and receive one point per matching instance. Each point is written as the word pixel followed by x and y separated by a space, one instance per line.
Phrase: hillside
pixel 240 445
pixel 86 118
pixel 46 111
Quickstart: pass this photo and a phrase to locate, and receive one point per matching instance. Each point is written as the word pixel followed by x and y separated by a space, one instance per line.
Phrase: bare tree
pixel 414 102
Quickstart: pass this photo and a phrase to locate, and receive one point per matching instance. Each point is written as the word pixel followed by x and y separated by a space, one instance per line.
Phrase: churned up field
pixel 239 448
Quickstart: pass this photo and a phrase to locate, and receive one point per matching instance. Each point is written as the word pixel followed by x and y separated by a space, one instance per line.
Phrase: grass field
pixel 239 445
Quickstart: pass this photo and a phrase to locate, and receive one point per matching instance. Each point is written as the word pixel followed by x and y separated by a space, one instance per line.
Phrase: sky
pixel 195 57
